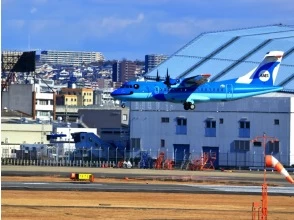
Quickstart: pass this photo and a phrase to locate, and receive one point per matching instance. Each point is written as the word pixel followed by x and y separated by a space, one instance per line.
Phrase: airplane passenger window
pixel 136 86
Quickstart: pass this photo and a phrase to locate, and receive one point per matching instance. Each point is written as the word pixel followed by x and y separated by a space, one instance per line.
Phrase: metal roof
pixel 233 53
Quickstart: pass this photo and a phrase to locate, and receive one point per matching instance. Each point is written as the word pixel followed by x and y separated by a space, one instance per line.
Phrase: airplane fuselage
pixel 213 91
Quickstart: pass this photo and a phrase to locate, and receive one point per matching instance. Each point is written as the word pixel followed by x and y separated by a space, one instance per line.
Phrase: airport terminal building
pixel 224 128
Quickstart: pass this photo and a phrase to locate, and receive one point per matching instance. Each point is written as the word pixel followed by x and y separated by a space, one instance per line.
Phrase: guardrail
pixel 60 163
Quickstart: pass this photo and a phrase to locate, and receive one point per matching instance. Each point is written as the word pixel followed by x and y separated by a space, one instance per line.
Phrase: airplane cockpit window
pixel 136 86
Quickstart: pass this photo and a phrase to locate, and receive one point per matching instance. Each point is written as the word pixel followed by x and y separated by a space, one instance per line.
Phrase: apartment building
pixel 30 100
pixel 75 96
pixel 153 60
pixel 75 58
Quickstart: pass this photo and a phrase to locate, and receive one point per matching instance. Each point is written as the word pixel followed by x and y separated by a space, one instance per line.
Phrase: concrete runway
pixel 132 187
pixel 234 181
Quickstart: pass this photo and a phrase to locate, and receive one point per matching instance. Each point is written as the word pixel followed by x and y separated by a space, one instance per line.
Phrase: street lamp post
pixel 175 156
pixel 91 157
pixel 116 156
pixel 125 152
pixel 83 155
pixel 68 144
pixel 264 138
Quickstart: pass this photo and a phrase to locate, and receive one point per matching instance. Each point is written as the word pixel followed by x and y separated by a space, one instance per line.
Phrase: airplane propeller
pixel 167 79
pixel 157 77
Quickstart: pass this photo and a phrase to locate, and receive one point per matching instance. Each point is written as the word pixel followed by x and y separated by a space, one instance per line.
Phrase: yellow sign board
pixel 84 176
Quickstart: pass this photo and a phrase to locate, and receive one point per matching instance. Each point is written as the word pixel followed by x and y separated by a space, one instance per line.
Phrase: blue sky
pixel 129 28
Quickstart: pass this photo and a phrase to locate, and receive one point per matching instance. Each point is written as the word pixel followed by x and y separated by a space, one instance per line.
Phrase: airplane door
pixel 156 90
pixel 229 91
pixel 153 91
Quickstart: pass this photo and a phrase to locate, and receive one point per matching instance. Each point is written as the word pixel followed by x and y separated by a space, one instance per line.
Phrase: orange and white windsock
pixel 271 161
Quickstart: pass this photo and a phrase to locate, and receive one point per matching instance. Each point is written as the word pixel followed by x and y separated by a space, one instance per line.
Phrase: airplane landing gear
pixel 186 106
pixel 189 106
pixel 123 105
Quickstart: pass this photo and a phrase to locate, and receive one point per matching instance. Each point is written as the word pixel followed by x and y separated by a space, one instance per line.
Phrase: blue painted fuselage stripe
pixel 207 92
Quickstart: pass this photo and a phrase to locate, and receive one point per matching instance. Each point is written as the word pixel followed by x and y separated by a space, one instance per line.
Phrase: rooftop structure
pixel 229 54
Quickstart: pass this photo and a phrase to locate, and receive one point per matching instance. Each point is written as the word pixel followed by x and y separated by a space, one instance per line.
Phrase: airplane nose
pixel 120 92
pixel 114 93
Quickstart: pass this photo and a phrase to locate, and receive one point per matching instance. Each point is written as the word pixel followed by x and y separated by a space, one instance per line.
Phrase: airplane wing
pixel 195 80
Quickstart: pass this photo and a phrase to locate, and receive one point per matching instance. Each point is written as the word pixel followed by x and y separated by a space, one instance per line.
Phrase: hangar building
pixel 225 128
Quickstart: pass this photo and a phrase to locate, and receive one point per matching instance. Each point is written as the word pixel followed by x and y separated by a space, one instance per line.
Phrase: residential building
pixel 30 100
pixel 127 70
pixel 102 97
pixel 66 99
pixel 116 77
pixel 153 60
pixel 104 83
pixel 76 58
pixel 124 71
pixel 76 96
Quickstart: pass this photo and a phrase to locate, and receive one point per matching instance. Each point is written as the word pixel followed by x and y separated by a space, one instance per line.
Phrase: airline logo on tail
pixel 267 70
pixel 264 75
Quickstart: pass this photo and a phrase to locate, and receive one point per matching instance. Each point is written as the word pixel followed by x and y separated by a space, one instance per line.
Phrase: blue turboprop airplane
pixel 197 89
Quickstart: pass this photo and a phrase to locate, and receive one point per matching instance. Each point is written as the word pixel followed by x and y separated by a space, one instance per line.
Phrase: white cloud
pixel 186 27
pixel 33 10
pixel 99 28
pixel 39 1
pixel 107 25
pixel 133 2
pixel 4 2
pixel 114 23
pixel 15 23
pixel 38 26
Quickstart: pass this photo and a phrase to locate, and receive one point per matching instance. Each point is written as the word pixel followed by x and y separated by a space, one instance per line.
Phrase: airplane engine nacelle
pixel 174 81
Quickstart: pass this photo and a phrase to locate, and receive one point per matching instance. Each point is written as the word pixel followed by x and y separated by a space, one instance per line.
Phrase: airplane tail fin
pixel 266 72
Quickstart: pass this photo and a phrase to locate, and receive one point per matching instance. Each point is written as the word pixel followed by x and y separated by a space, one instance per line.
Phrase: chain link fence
pixel 140 159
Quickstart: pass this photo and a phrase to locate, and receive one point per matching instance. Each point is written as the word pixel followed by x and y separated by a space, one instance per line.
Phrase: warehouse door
pixel 181 153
